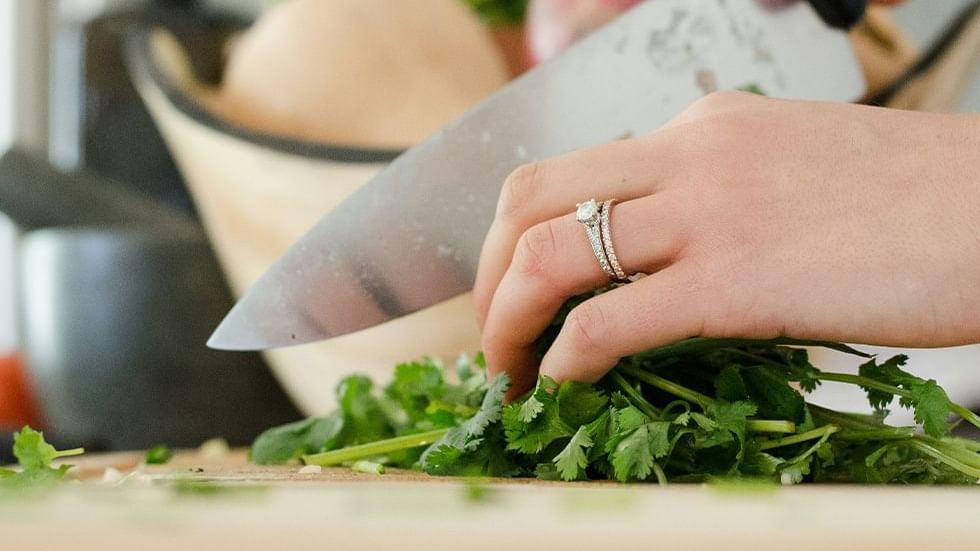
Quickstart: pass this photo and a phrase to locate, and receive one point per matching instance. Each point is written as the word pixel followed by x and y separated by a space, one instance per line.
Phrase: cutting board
pixel 274 508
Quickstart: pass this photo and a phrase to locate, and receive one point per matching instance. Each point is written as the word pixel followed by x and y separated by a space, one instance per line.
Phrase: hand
pixel 756 218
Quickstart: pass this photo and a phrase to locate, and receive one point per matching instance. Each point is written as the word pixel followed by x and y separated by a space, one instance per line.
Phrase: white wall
pixel 7 307
pixel 6 74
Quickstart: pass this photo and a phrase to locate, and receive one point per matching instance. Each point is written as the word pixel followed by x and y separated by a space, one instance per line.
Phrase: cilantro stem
pixel 827 431
pixel 864 435
pixel 865 382
pixel 965 413
pixel 702 344
pixel 367 467
pixel 966 443
pixel 69 453
pixel 952 449
pixel 637 398
pixel 940 456
pixel 374 449
pixel 857 427
pixel 848 420
pixel 798 438
pixel 658 471
pixel 669 387
pixel 774 426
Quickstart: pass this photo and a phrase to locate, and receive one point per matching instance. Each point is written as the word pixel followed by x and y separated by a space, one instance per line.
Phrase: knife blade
pixel 411 237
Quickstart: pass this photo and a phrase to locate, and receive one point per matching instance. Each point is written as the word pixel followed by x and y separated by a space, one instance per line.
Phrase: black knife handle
pixel 840 14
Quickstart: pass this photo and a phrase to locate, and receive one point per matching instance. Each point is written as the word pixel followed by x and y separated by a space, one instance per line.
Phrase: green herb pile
pixel 694 411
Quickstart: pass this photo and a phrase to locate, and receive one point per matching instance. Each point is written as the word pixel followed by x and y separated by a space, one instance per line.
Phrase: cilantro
pixel 158 455
pixel 466 448
pixel 572 461
pixel 770 391
pixel 288 442
pixel 530 429
pixel 931 407
pixel 415 385
pixel 500 12
pixel 752 88
pixel 364 418
pixel 35 457
pixel 698 410
pixel 633 456
pixel 928 400
pixel 579 403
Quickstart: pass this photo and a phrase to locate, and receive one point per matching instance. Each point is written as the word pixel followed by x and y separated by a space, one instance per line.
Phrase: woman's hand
pixel 756 218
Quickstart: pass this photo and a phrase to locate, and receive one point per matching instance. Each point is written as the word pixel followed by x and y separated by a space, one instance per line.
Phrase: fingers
pixel 548 189
pixel 659 309
pixel 553 262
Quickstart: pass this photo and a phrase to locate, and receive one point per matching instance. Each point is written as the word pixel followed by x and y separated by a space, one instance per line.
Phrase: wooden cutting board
pixel 273 508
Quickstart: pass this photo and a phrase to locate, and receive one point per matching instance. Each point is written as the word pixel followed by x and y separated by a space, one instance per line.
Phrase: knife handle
pixel 840 14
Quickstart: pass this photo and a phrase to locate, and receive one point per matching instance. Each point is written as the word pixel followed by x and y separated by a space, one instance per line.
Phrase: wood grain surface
pixel 266 508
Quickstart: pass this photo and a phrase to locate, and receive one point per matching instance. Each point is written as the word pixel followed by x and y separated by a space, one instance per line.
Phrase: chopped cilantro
pixel 35 457
pixel 158 455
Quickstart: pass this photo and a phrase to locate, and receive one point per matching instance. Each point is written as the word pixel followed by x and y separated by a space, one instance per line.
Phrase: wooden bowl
pixel 257 193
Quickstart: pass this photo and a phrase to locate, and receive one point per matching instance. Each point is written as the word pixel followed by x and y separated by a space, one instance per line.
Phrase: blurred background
pixel 157 155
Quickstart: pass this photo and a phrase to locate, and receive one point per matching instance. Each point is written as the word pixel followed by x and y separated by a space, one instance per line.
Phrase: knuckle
pixel 517 190
pixel 536 251
pixel 721 100
pixel 585 328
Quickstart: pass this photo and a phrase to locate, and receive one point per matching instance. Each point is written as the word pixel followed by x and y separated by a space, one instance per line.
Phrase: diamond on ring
pixel 587 211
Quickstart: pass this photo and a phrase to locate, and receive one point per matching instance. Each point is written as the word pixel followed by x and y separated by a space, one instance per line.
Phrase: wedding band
pixel 607 244
pixel 589 215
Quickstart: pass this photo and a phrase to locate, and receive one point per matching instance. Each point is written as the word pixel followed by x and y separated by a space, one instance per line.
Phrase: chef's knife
pixel 410 238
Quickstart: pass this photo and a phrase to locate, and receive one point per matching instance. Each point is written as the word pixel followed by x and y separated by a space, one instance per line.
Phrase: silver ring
pixel 589 215
pixel 607 243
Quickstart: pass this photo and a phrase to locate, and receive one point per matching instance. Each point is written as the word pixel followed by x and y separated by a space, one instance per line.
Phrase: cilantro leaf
pixel 806 374
pixel 35 455
pixel 623 422
pixel 530 409
pixel 634 455
pixel 288 442
pixel 731 419
pixel 364 419
pixel 600 430
pixel 443 456
pixel 931 405
pixel 415 385
pixel 890 373
pixel 730 386
pixel 929 402
pixel 530 429
pixel 580 403
pixel 769 390
pixel 573 459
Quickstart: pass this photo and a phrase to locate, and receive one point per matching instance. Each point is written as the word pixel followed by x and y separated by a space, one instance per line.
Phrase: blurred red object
pixel 554 25
pixel 17 407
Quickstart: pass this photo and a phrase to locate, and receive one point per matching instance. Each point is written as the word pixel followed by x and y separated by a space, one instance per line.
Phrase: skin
pixel 755 218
